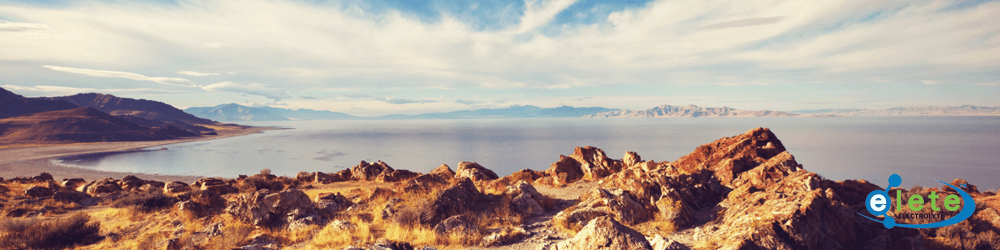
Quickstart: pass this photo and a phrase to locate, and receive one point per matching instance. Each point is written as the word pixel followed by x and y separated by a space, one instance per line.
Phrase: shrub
pixel 146 202
pixel 257 182
pixel 48 233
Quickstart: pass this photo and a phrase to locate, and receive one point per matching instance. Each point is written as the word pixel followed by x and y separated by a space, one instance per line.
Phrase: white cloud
pixel 126 75
pixel 932 82
pixel 250 89
pixel 305 47
pixel 193 73
pixel 45 90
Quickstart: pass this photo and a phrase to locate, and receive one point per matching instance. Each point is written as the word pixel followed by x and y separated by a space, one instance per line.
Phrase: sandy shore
pixel 31 160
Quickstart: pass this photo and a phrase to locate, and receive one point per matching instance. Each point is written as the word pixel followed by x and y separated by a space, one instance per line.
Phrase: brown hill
pixel 80 125
pixel 140 111
pixel 12 105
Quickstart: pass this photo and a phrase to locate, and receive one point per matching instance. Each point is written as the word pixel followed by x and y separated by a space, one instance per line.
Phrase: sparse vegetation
pixel 48 233
pixel 145 201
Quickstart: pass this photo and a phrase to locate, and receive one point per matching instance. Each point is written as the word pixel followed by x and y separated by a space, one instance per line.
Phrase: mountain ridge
pixel 663 111
pixel 80 125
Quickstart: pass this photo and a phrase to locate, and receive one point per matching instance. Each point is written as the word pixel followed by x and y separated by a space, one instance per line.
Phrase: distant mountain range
pixel 12 105
pixel 143 112
pixel 966 110
pixel 236 112
pixel 688 111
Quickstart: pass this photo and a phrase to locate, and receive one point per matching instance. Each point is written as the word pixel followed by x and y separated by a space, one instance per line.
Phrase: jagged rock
pixel 266 208
pixel 660 243
pixel 305 176
pixel 564 171
pixel 605 233
pixel 389 210
pixel 217 185
pixel 332 202
pixel 631 158
pixel 103 186
pixel 43 177
pixel 396 176
pixel 444 170
pixel 74 183
pixel 426 183
pixel 174 187
pixel 130 182
pixel 614 202
pixel 260 242
pixel 341 225
pixel 36 191
pixel 728 157
pixel 457 199
pixel 367 172
pixel 384 244
pixel 526 200
pixel 475 172
pixel 456 224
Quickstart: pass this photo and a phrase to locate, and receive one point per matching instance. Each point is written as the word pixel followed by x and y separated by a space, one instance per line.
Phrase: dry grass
pixel 145 202
pixel 48 233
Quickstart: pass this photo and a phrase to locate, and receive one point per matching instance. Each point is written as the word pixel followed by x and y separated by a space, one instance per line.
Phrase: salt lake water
pixel 920 149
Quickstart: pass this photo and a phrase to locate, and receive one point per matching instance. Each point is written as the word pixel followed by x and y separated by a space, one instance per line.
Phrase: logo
pixel 878 203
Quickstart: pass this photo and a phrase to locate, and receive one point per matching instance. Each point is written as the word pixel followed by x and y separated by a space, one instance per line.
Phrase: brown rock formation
pixel 474 171
pixel 605 233
pixel 368 172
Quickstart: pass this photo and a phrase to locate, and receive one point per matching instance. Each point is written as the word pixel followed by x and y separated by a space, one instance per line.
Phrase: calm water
pixel 920 149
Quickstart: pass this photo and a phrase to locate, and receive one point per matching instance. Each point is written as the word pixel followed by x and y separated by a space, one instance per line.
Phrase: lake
pixel 920 149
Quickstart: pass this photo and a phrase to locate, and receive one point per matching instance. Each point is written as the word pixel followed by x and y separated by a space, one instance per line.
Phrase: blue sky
pixel 408 57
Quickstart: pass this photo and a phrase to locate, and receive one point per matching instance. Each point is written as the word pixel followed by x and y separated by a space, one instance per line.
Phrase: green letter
pixel 899 200
pixel 919 200
pixel 934 197
pixel 951 200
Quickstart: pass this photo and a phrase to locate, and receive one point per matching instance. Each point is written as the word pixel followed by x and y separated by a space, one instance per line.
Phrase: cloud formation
pixel 250 89
pixel 194 73
pixel 126 75
pixel 512 51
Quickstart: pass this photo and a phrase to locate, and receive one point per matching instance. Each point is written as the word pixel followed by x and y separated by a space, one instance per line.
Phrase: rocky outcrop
pixel 586 163
pixel 605 233
pixel 272 209
pixel 474 171
pixel 332 202
pixel 731 156
pixel 368 172
pixel 444 170
pixel 456 199
pixel 525 199
pixel 396 176
pixel 37 191
pixel 174 187
pixel 614 202
pixel 216 185
pixel 130 182
pixel 103 186
pixel 74 183
pixel 458 224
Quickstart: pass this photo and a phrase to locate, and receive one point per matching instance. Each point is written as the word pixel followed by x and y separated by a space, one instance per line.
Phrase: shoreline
pixel 32 160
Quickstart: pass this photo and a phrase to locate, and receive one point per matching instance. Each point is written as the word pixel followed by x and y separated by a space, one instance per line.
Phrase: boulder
pixel 660 243
pixel 475 172
pixel 43 177
pixel 70 196
pixel 728 157
pixel 332 202
pixel 37 191
pixel 444 170
pixel 152 186
pixel 396 176
pixel 594 163
pixel 103 186
pixel 564 171
pixel 217 185
pixel 368 172
pixel 174 187
pixel 615 202
pixel 456 199
pixel 270 209
pixel 190 207
pixel 426 183
pixel 74 183
pixel 130 182
pixel 605 233
pixel 458 224
pixel 306 176
pixel 525 199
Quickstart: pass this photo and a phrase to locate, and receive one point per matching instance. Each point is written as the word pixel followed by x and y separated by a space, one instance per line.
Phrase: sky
pixel 371 58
